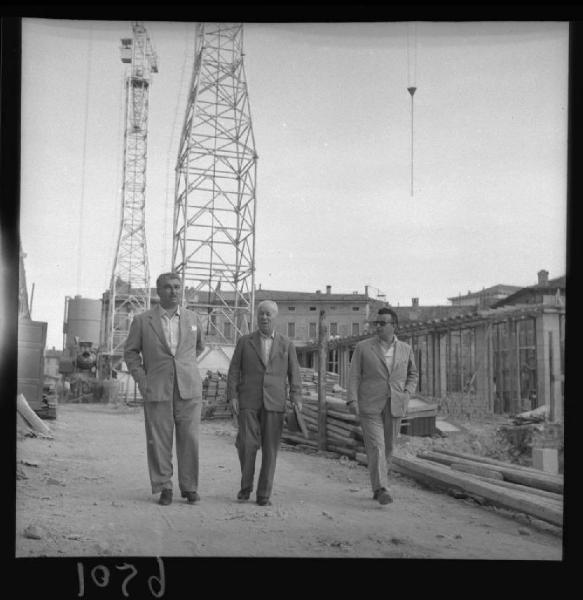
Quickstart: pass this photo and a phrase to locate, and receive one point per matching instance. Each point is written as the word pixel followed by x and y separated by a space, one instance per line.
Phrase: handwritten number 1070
pixel 100 577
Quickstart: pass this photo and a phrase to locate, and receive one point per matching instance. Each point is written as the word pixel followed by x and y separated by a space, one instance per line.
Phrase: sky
pixel 332 122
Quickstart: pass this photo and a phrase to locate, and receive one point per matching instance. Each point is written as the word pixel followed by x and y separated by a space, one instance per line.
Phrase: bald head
pixel 266 314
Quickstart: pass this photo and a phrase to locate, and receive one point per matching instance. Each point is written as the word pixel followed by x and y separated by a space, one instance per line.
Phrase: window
pixel 333 328
pixel 312 308
pixel 291 329
pixel 332 308
pixel 313 332
pixel 356 329
pixel 227 330
pixel 291 308
pixel 356 308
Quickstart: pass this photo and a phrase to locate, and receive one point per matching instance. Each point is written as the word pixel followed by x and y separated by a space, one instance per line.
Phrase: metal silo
pixel 82 320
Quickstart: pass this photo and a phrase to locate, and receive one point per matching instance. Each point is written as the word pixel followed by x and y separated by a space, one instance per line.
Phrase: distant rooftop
pixel 495 290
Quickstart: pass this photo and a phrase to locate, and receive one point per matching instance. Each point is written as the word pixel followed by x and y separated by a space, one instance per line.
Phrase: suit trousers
pixel 380 432
pixel 161 419
pixel 258 429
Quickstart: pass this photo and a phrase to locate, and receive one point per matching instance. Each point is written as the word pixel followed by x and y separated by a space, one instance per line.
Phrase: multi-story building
pixel 299 312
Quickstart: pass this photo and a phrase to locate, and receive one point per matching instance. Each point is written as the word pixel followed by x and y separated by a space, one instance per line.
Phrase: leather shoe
pixel 383 496
pixel 191 497
pixel 243 495
pixel 165 498
pixel 263 501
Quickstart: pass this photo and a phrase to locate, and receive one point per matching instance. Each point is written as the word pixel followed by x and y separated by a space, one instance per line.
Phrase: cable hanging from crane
pixel 411 79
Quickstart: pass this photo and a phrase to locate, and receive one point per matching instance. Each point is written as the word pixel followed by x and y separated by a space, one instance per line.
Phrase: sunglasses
pixel 382 323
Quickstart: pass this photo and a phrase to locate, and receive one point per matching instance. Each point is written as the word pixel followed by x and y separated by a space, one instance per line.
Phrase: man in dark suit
pixel 161 351
pixel 263 364
pixel 381 380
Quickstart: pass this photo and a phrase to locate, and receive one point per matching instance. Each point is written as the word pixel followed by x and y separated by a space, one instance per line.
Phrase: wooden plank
pixel 345 426
pixel 298 439
pixel 477 470
pixel 444 477
pixel 340 439
pixel 322 362
pixel 310 419
pixel 524 488
pixel 550 483
pixel 339 431
pixel 342 415
pixel 487 460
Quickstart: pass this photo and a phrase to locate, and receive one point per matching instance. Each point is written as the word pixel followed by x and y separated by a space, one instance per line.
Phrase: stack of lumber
pixel 310 382
pixel 343 432
pixel 498 483
pixel 214 388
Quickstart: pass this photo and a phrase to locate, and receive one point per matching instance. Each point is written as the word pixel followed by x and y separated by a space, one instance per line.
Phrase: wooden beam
pixel 481 470
pixel 444 477
pixel 527 489
pixel 322 362
pixel 550 483
pixel 487 460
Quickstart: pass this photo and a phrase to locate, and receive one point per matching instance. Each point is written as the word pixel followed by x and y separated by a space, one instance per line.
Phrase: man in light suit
pixel 161 353
pixel 381 380
pixel 263 364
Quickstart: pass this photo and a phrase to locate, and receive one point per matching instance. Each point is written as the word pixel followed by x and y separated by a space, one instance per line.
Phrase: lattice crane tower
pixel 129 291
pixel 213 246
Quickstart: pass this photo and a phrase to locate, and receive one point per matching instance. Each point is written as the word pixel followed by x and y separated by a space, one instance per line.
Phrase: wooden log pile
pixel 343 432
pixel 310 383
pixel 214 389
pixel 490 481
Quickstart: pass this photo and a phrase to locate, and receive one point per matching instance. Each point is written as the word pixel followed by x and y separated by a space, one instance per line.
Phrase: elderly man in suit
pixel 161 353
pixel 263 368
pixel 381 380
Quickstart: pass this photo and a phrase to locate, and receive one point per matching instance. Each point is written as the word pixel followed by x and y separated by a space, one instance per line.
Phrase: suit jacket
pixel 257 384
pixel 371 382
pixel 151 363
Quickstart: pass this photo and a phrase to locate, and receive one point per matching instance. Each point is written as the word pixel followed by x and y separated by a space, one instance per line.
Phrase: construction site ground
pixel 86 492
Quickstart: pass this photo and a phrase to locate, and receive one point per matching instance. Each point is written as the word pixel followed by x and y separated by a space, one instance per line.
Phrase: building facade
pixel 502 360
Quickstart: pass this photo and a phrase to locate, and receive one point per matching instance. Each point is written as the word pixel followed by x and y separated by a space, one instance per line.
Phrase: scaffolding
pixel 213 248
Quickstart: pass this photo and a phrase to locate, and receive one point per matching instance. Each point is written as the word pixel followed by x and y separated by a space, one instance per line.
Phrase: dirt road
pixel 86 493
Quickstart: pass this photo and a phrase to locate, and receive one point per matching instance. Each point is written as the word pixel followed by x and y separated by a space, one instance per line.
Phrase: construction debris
pixel 214 392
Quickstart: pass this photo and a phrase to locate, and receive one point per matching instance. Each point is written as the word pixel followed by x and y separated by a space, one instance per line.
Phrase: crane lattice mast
pixel 213 246
pixel 129 291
